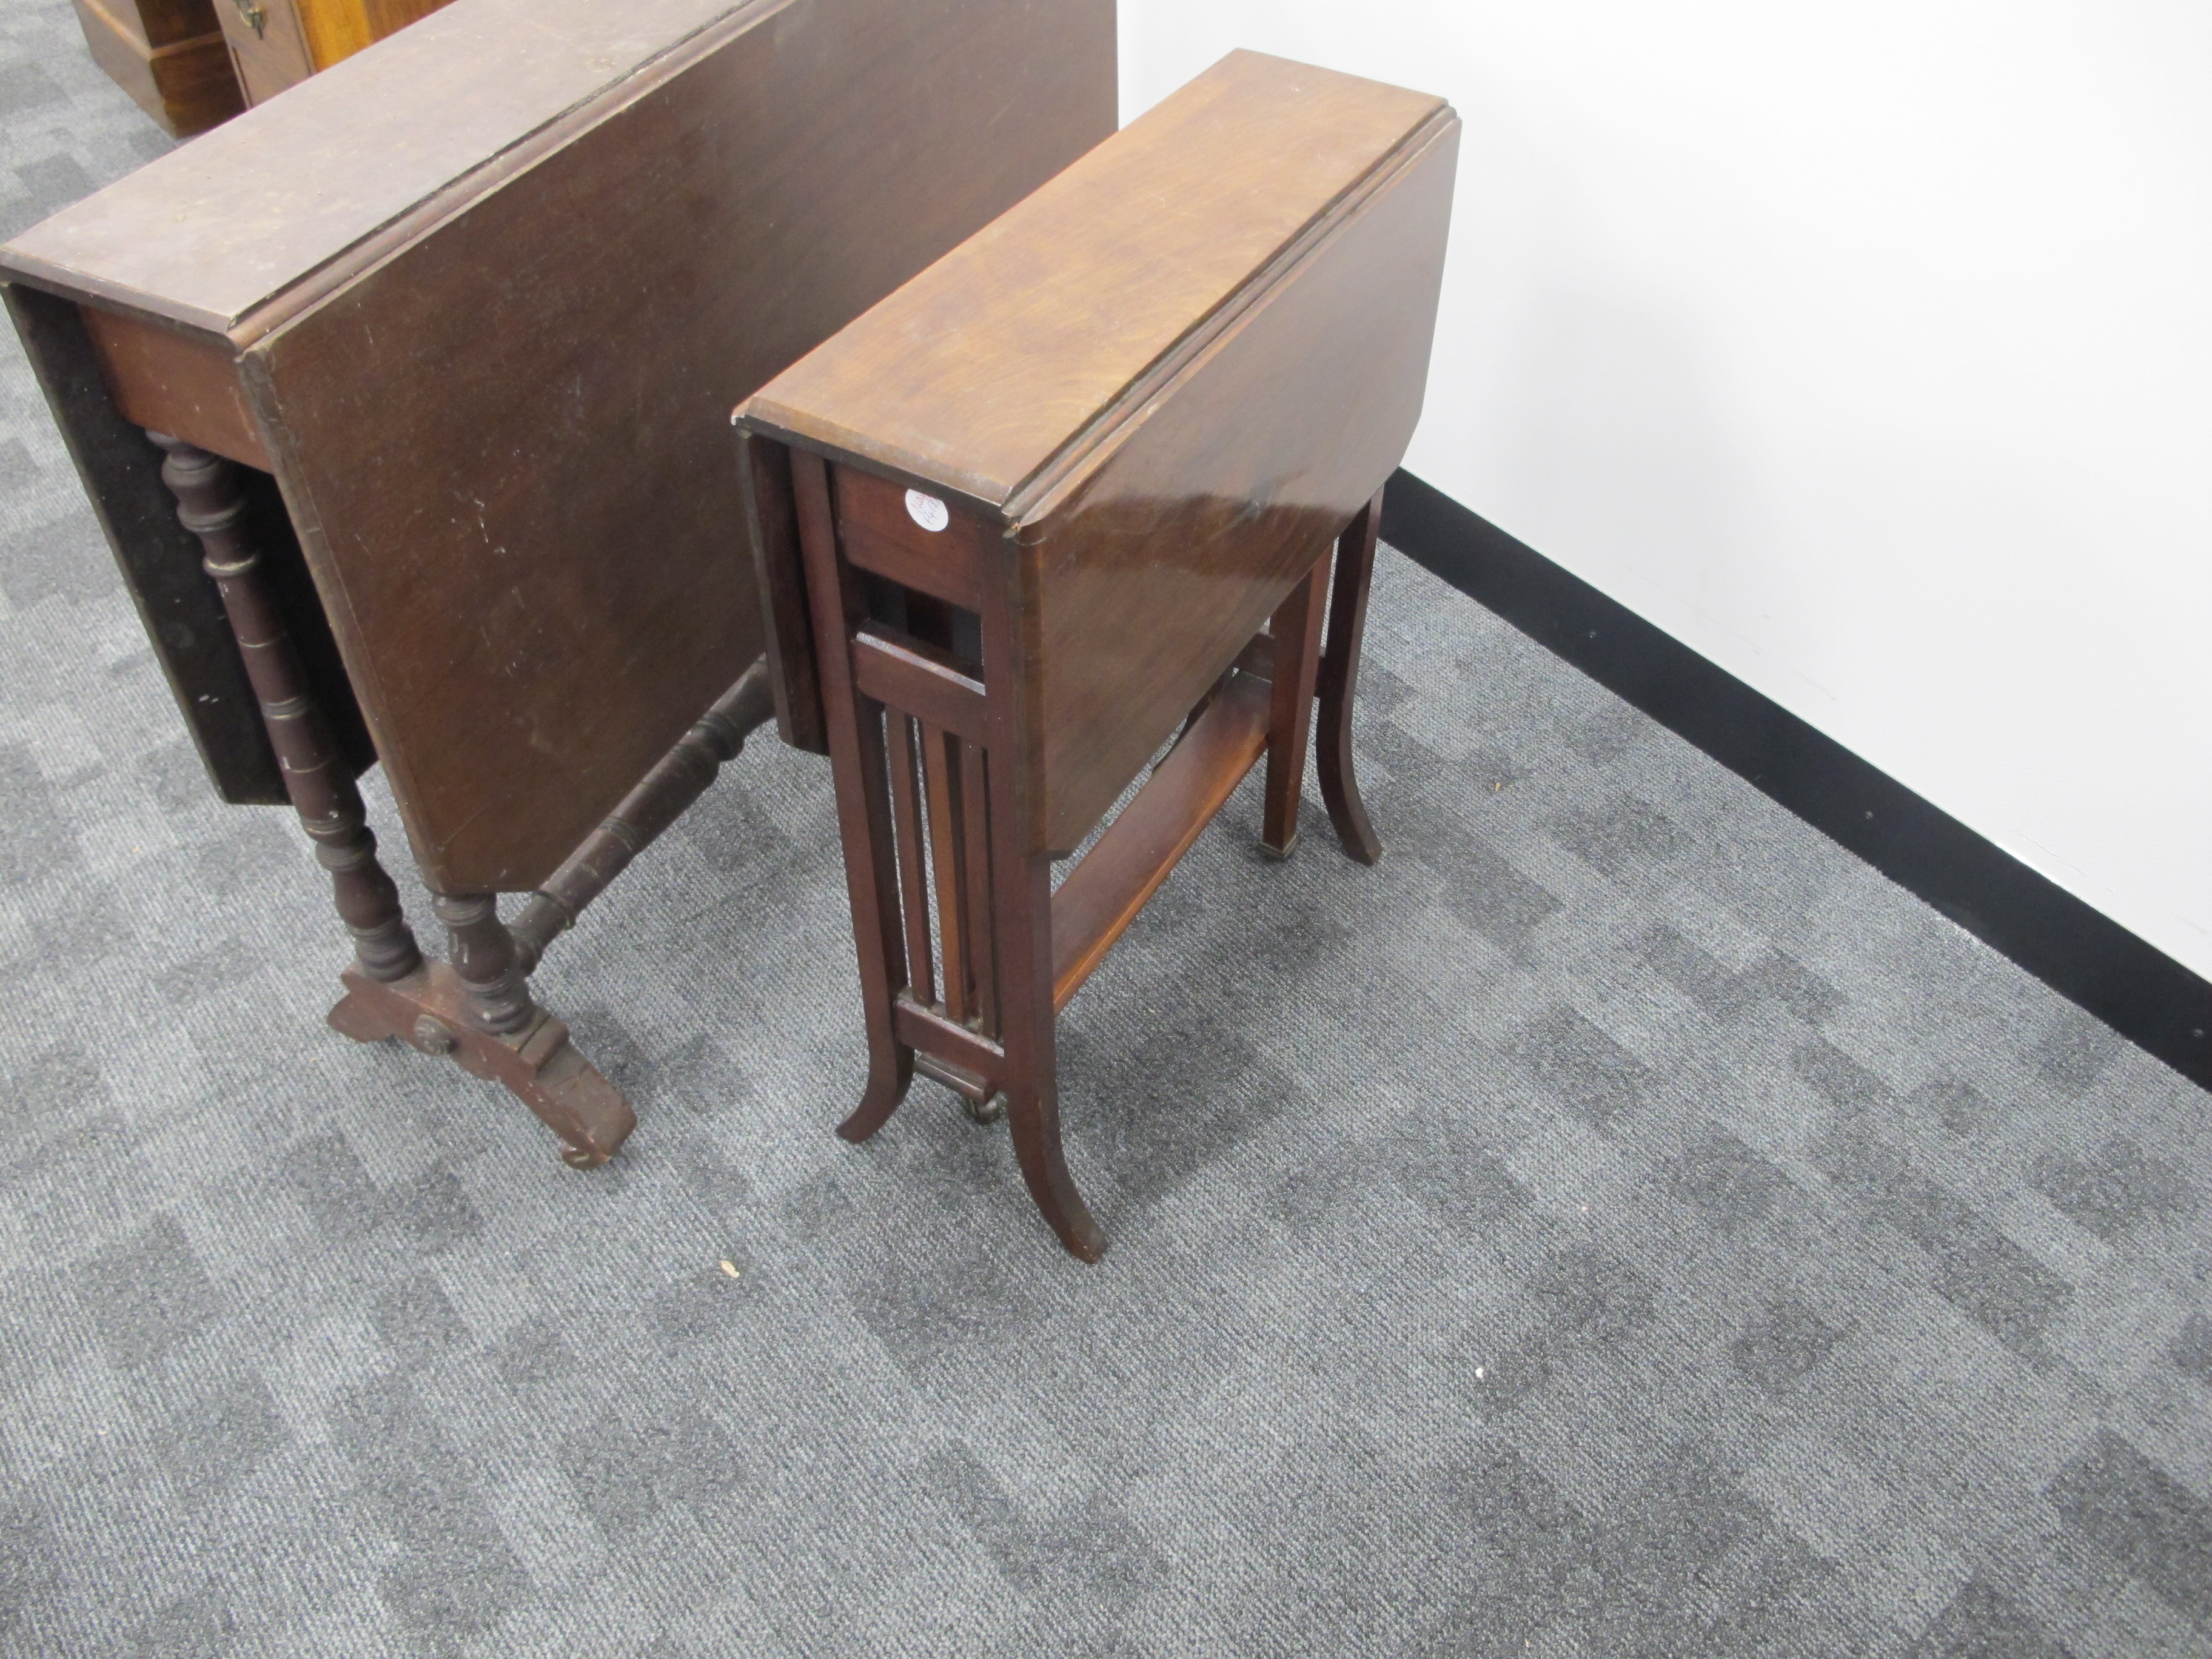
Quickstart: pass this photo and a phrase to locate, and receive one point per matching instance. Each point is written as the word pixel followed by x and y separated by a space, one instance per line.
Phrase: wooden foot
pixel 1296 634
pixel 890 1074
pixel 1029 1074
pixel 1339 676
pixel 432 1010
pixel 1035 1116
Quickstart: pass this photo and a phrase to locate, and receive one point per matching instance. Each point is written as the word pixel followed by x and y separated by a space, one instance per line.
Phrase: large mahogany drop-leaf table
pixel 401 398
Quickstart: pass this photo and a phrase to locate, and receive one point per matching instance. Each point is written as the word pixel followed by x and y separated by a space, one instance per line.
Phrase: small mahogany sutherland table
pixel 401 399
pixel 1027 517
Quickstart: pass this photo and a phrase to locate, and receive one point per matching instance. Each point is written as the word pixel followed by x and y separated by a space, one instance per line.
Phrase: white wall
pixel 1866 349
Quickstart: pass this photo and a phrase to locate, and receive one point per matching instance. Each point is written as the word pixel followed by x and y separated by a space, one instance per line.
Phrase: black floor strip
pixel 2132 985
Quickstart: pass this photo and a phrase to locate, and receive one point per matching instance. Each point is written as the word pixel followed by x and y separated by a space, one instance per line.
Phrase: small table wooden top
pixel 1160 382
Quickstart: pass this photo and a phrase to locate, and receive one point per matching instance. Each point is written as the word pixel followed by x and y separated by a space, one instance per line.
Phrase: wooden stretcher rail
pixel 1107 887
pixel 925 1028
pixel 905 674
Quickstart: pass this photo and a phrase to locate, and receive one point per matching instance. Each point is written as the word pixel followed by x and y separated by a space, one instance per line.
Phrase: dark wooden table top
pixel 221 225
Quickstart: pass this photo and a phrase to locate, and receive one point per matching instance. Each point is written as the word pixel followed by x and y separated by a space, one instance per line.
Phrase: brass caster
pixel 984 1111
pixel 432 1037
pixel 582 1158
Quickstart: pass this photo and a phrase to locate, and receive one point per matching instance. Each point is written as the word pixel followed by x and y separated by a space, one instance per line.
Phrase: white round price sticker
pixel 927 511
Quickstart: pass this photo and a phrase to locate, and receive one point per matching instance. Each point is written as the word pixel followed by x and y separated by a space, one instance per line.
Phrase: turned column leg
pixel 478 1009
pixel 212 504
pixel 483 959
pixel 1339 671
pixel 1296 631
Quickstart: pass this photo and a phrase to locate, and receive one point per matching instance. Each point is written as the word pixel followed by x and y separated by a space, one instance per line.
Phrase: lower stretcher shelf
pixel 1126 865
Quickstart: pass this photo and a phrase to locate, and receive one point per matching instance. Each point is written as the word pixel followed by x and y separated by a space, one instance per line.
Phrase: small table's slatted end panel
pixel 1186 531
pixel 159 558
pixel 526 522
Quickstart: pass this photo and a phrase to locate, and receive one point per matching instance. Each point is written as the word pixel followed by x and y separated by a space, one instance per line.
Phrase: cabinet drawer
pixel 267 44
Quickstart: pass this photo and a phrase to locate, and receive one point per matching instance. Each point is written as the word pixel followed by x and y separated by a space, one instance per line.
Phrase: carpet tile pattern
pixel 1619 1223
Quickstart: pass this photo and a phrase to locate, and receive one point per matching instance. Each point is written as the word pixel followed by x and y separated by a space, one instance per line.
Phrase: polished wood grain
pixel 1171 549
pixel 1157 527
pixel 1147 413
pixel 979 371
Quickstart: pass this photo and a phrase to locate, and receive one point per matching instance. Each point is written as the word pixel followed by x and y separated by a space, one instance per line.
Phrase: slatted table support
pixel 967 954
pixel 1090 504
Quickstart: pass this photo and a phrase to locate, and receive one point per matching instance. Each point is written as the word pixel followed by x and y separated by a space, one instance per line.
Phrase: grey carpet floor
pixel 1620 1223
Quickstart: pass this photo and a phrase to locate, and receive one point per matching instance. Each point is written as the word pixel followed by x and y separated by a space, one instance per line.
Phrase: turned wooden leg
pixel 483 959
pixel 212 504
pixel 1340 672
pixel 1296 632
pixel 482 1014
pixel 861 778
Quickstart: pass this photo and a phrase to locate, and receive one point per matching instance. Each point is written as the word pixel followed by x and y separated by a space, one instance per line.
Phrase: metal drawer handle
pixel 256 14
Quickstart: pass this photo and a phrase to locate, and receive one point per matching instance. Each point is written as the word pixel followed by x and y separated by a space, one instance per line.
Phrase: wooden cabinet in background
pixel 170 55
pixel 193 63
pixel 277 44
